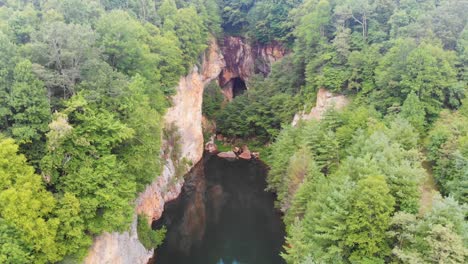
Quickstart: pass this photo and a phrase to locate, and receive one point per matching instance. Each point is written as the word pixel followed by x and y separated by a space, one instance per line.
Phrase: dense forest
pixel 84 85
pixel 354 186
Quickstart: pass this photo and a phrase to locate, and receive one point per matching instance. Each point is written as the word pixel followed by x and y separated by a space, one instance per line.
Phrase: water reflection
pixel 222 216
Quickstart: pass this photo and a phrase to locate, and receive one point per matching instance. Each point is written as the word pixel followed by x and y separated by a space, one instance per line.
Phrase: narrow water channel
pixel 222 216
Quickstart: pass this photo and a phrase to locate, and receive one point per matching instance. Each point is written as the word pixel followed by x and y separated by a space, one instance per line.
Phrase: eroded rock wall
pixel 244 60
pixel 325 100
pixel 186 115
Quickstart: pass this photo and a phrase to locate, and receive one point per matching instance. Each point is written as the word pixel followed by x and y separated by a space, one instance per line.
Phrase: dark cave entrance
pixel 238 87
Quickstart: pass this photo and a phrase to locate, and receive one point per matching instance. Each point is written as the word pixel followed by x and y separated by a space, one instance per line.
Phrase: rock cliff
pixel 325 100
pixel 243 60
pixel 186 115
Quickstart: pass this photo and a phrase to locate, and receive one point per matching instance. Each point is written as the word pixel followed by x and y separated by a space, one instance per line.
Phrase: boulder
pixel 246 154
pixel 211 147
pixel 227 155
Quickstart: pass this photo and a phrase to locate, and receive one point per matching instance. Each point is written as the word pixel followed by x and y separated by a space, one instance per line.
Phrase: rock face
pixel 186 115
pixel 243 60
pixel 325 100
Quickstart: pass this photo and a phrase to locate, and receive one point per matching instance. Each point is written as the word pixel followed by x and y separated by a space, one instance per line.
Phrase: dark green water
pixel 222 216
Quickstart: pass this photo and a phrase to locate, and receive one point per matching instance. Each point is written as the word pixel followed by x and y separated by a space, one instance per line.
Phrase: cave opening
pixel 238 87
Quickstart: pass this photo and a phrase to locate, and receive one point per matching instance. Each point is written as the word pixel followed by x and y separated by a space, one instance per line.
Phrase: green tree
pixel 29 111
pixel 71 237
pixel 12 248
pixel 80 161
pixel 436 237
pixel 212 100
pixel 142 152
pixel 413 111
pixel 447 146
pixel 322 232
pixel 370 213
pixel 431 74
pixel 26 205
pixel 191 33
pixel 125 42
pixel 301 168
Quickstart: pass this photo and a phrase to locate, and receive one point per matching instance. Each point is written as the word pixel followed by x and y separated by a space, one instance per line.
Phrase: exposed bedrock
pixel 325 101
pixel 234 63
pixel 186 115
pixel 244 60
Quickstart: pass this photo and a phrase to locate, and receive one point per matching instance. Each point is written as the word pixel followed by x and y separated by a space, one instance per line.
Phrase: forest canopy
pixel 84 86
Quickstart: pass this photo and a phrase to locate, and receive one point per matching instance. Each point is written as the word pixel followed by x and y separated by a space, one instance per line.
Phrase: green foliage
pixel 212 100
pixel 369 219
pixel 383 51
pixel 439 236
pixel 268 20
pixel 81 162
pixel 426 70
pixel 321 232
pixel 60 51
pixel 447 146
pixel 27 111
pixel 125 42
pixel 26 207
pixel 264 21
pixel 148 237
pixel 260 112
pixel 141 153
pixel 104 68
pixel 413 111
pixel 12 248
pixel 234 15
pixel 191 33
pixel 372 169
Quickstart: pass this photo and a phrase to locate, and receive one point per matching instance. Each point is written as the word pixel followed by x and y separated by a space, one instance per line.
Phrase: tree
pixel 125 42
pixel 234 15
pixel 301 168
pixel 29 111
pixel 268 20
pixel 7 61
pixel 80 161
pixel 322 232
pixel 377 155
pixel 448 150
pixel 413 111
pixel 76 11
pixel 142 152
pixel 370 213
pixel 62 50
pixel 436 237
pixel 191 33
pixel 212 100
pixel 431 74
pixel 389 72
pixel 26 205
pixel 12 248
pixel 71 237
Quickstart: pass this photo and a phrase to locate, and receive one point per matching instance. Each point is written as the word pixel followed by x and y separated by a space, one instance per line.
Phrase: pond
pixel 223 215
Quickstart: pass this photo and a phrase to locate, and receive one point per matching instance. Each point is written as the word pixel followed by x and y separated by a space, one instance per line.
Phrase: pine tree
pixel 413 111
pixel 369 219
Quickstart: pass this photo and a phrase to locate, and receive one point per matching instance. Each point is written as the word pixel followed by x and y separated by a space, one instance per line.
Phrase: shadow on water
pixel 222 216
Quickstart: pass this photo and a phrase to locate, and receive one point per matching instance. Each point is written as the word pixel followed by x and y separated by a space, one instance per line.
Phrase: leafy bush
pixel 212 100
pixel 148 237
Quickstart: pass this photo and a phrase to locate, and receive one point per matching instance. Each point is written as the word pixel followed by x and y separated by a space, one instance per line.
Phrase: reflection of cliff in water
pixel 222 216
